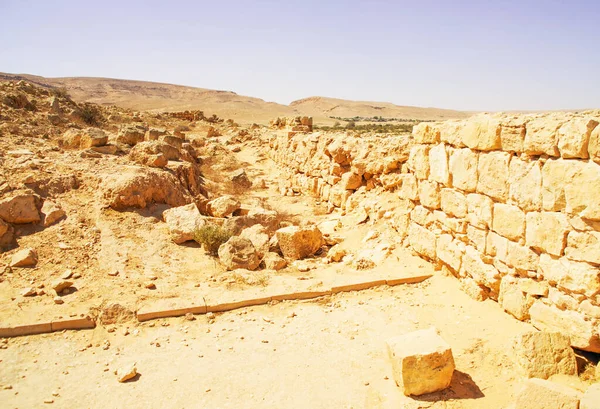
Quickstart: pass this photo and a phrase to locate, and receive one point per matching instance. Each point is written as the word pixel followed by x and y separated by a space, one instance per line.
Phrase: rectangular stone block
pixel 450 133
pixel 450 251
pixel 513 300
pixel 571 276
pixel 541 136
pixel 438 164
pixel 594 144
pixel 422 362
pixel 582 333
pixel 497 246
pixel 582 190
pixel 477 238
pixel 418 161
pixel 554 177
pixel 512 134
pixel 483 274
pixel 542 354
pixel 574 137
pixel 542 394
pixel 521 257
pixel 426 132
pixel 429 194
pixel 454 203
pixel 463 168
pixel 583 246
pixel 493 171
pixel 450 224
pixel 508 221
pixel 408 187
pixel 422 216
pixel 479 210
pixel 422 240
pixel 525 182
pixel 547 232
pixel 481 132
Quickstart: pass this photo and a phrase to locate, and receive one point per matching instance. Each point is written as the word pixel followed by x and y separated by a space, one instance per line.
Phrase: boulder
pixel 257 234
pixel 134 186
pixel 542 394
pixel 336 253
pixel 71 139
pixel 51 213
pixel 422 362
pixel 93 137
pixel 148 154
pixel 274 261
pixel 543 354
pixel 223 206
pixel 237 253
pixel 131 134
pixel 240 180
pixel 19 208
pixel 183 222
pixel 24 258
pixel 591 398
pixel 299 242
pixel 126 373
pixel 60 285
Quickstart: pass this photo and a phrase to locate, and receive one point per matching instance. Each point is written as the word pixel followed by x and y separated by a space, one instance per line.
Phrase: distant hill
pixel 153 96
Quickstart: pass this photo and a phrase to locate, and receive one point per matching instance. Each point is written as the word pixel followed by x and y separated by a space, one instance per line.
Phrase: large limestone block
pixel 521 257
pixel 19 208
pixel 480 210
pixel 543 354
pixel 526 184
pixel 541 136
pixel 477 237
pixel 438 164
pixel 574 137
pixel 422 362
pixel 594 144
pixel 449 251
pixel 350 181
pixel 93 137
pixel 426 132
pixel 422 240
pixel 591 397
pixel 223 206
pixel 418 161
pixel 183 222
pixel 513 300
pixel 454 203
pixel 493 171
pixel 24 258
pixel 512 134
pixel 463 168
pixel 497 246
pixel 583 246
pixel 570 276
pixel 547 231
pixel 238 252
pixel 429 194
pixel 259 237
pixel 450 132
pixel 582 190
pixel 543 394
pixel 131 134
pixel 508 221
pixel 483 274
pixel 297 243
pixel 481 132
pixel 408 187
pixel 554 177
pixel 582 333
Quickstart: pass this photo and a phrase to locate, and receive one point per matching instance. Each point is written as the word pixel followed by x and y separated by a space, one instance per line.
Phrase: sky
pixel 468 55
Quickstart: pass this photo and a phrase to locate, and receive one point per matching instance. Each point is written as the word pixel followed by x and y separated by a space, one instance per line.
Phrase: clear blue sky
pixel 473 55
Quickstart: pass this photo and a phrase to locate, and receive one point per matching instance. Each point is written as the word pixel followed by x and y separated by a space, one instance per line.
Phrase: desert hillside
pixel 153 96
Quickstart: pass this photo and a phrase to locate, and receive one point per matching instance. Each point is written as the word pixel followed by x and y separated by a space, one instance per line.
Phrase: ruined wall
pixel 510 205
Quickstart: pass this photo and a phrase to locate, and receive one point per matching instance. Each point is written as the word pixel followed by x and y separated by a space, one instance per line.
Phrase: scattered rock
pixel 422 362
pixel 150 285
pixel 189 317
pixel 183 222
pixel 274 261
pixel 60 285
pixel 240 179
pixel 336 253
pixel 237 253
pixel 67 274
pixel 223 206
pixel 24 258
pixel 51 213
pixel 19 208
pixel 257 234
pixel 543 354
pixel 58 300
pixel 299 242
pixel 29 292
pixel 131 134
pixel 127 372
pixel 93 137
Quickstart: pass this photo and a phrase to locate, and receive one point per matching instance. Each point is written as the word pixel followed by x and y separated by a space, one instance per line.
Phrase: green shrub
pixel 211 237
pixel 60 92
pixel 91 114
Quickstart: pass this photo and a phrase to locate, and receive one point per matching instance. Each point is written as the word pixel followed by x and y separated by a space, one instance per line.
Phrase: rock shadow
pixel 461 386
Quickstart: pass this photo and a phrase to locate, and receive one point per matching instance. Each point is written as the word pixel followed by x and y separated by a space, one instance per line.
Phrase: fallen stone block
pixel 422 362
pixel 591 398
pixel 543 354
pixel 542 394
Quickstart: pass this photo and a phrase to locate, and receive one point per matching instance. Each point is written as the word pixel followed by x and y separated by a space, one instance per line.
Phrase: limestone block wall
pixel 509 204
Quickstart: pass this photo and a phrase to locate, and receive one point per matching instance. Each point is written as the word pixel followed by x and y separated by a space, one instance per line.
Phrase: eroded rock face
pixel 238 253
pixel 134 186
pixel 19 208
pixel 297 243
pixel 183 222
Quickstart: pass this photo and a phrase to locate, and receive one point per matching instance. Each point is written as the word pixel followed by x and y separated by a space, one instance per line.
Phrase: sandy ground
pixel 328 353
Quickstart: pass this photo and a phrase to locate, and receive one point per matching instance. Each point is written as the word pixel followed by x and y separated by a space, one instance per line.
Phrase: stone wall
pixel 509 204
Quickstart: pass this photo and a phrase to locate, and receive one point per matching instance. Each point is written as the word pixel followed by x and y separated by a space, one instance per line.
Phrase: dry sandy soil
pixel 141 95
